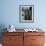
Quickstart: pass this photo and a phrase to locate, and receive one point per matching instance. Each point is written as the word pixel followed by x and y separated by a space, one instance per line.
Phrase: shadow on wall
pixel 2 26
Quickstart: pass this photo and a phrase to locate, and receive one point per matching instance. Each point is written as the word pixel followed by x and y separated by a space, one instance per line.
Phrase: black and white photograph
pixel 26 13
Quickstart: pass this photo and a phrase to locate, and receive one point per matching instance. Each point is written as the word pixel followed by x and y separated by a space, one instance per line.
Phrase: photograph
pixel 26 13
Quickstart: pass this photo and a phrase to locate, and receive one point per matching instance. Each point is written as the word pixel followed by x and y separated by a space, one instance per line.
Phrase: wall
pixel 10 13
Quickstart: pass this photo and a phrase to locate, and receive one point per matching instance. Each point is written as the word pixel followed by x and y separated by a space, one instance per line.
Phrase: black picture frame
pixel 26 13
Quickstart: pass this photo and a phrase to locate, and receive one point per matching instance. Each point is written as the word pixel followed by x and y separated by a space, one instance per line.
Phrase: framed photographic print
pixel 26 13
